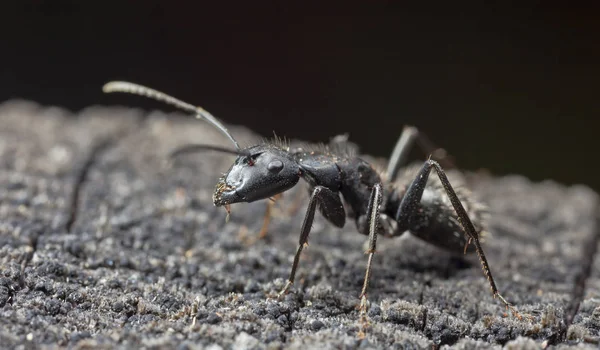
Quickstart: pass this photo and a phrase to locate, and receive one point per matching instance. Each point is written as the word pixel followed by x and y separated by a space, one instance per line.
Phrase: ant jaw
pixel 225 198
pixel 225 195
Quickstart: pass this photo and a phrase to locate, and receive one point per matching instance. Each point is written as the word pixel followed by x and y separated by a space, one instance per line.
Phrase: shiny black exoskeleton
pixel 342 185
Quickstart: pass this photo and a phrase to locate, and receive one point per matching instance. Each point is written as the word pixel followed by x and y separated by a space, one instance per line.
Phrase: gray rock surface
pixel 105 244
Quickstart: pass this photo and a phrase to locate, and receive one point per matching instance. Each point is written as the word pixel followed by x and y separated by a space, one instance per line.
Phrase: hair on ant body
pixel 344 186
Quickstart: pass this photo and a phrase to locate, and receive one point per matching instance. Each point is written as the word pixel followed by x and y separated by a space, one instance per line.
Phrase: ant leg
pixel 267 218
pixel 410 204
pixel 333 210
pixel 409 136
pixel 299 196
pixel 373 222
pixel 342 143
pixel 262 234
pixel 401 151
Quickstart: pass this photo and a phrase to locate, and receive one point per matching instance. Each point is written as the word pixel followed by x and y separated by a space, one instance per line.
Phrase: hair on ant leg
pixel 344 186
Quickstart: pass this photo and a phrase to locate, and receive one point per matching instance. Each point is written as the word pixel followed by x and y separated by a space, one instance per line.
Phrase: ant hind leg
pixel 410 205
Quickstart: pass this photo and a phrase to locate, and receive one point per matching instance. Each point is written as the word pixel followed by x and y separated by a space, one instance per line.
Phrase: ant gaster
pixel 342 185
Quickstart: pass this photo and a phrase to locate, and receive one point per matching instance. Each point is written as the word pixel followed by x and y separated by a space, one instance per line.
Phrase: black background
pixel 510 88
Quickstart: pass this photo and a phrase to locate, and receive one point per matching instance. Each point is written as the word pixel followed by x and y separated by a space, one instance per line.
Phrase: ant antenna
pixel 136 89
pixel 195 148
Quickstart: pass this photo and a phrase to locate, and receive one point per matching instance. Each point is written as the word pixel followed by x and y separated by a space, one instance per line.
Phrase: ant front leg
pixel 331 207
pixel 373 225
pixel 410 204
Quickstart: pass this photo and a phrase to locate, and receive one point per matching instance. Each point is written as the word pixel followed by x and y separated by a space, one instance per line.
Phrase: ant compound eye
pixel 275 166
pixel 251 160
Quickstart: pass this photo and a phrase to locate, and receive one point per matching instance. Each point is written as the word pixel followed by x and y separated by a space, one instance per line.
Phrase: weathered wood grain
pixel 104 244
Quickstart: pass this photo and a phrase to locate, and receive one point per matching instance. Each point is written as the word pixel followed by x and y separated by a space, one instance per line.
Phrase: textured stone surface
pixel 104 244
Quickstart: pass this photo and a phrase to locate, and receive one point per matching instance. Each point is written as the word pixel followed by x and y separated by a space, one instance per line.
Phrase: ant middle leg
pixel 373 226
pixel 296 202
pixel 408 137
pixel 267 217
pixel 264 229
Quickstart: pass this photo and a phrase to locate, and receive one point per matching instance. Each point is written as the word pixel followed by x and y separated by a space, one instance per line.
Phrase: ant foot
pixel 364 318
pixel 285 289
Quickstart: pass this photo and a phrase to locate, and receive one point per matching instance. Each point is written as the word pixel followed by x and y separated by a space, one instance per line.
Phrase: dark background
pixel 512 89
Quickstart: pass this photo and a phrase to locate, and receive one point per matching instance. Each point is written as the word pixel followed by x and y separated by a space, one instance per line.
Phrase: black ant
pixel 342 185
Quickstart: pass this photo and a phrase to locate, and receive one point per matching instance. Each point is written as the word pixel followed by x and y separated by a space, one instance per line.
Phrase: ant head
pixel 260 172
